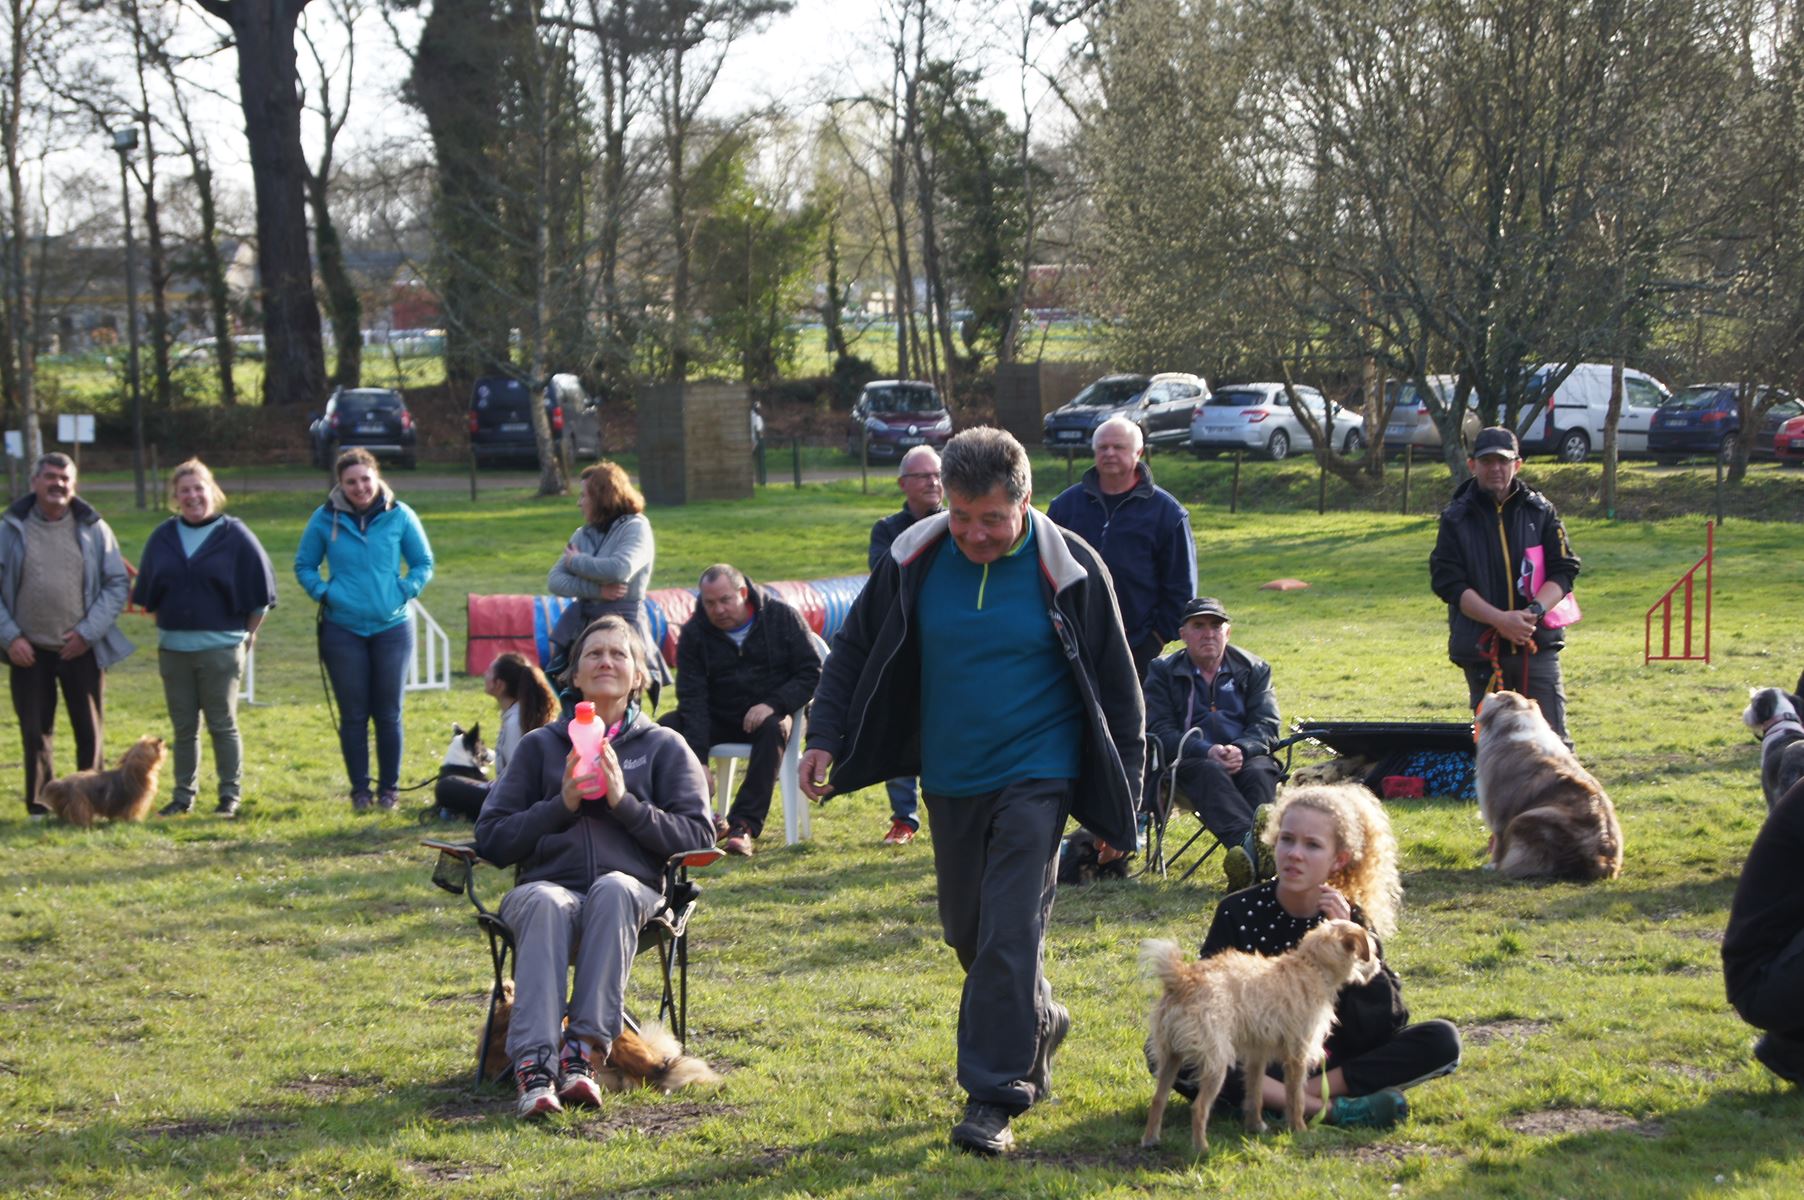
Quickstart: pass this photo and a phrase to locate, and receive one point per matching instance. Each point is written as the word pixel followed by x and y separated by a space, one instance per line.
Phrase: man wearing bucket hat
pixel 1502 563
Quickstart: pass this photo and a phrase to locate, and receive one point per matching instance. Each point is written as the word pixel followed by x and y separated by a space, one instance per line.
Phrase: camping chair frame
pixel 668 930
pixel 1161 797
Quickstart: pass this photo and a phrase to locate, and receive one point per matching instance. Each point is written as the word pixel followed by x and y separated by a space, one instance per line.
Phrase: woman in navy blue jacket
pixel 206 578
pixel 364 536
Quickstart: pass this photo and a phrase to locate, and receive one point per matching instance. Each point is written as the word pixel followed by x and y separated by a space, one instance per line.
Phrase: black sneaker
pixel 1058 1024
pixel 984 1130
pixel 388 799
pixel 1783 1056
pixel 227 807
pixel 361 802
pixel 176 808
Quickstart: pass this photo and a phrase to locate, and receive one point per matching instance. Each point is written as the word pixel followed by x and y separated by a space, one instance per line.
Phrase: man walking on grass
pixel 918 475
pixel 986 654
pixel 62 587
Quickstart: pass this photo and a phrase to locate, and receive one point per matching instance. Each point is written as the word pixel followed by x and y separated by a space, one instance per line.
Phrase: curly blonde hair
pixel 1362 829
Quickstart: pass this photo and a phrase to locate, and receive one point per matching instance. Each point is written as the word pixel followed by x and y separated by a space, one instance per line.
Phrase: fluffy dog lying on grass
pixel 649 1058
pixel 1546 814
pixel 1239 1007
pixel 124 793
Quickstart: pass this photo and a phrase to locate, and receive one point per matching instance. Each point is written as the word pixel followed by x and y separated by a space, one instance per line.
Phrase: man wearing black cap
pixel 1213 710
pixel 1501 562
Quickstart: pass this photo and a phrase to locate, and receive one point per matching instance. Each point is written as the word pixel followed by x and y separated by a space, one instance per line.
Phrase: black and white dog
pixel 463 777
pixel 1774 715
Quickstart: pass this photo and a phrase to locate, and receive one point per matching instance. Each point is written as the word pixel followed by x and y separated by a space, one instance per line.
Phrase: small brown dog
pixel 649 1058
pixel 1546 814
pixel 1238 1007
pixel 123 794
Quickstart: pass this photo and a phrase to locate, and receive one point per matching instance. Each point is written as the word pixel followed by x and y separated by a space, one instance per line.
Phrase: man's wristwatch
pixel 1536 609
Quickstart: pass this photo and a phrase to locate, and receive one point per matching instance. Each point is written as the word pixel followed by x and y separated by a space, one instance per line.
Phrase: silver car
pixel 1411 423
pixel 1258 417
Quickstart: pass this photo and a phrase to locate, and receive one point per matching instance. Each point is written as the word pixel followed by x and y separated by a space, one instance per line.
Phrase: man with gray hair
pixel 62 587
pixel 1142 533
pixel 986 655
pixel 745 666
pixel 918 475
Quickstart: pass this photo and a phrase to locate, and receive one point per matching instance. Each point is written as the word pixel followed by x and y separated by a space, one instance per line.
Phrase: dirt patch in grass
pixel 445 1172
pixel 1388 1154
pixel 653 1120
pixel 1128 1158
pixel 465 1109
pixel 1559 1122
pixel 1689 1071
pixel 325 1087
pixel 193 1130
pixel 472 999
pixel 1515 1030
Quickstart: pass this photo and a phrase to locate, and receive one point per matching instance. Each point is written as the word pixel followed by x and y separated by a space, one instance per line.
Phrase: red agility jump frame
pixel 1663 606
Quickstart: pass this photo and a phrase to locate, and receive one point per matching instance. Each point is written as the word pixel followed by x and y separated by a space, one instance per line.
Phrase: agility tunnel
pixel 523 624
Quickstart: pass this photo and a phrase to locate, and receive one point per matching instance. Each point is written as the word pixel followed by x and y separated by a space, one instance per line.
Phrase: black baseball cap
pixel 1203 606
pixel 1496 440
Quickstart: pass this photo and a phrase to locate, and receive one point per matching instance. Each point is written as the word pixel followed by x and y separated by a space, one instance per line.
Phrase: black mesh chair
pixel 667 931
pixel 1160 797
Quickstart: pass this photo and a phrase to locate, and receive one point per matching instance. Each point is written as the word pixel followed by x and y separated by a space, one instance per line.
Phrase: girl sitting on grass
pixel 1336 859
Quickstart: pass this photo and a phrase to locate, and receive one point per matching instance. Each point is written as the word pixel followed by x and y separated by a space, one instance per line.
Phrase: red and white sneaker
pixel 538 1094
pixel 576 1084
pixel 900 833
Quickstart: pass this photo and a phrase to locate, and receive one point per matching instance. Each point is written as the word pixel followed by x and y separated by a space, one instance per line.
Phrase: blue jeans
pixel 367 675
pixel 902 800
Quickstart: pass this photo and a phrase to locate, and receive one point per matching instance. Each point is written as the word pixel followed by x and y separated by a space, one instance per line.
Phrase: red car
pixel 1788 443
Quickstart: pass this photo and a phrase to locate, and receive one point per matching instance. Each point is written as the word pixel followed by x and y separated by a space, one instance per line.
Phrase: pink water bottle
pixel 589 735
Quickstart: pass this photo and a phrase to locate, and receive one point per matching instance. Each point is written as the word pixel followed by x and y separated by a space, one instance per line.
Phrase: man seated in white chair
pixel 745 664
pixel 1222 696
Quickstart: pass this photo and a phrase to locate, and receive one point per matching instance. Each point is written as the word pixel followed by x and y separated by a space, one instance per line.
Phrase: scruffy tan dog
pixel 650 1058
pixel 1546 814
pixel 1238 1007
pixel 123 794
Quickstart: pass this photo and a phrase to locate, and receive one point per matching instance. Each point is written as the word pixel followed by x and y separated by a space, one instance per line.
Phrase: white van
pixel 1572 427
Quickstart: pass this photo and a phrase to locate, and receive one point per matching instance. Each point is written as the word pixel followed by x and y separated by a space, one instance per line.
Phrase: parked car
pixel 501 421
pixel 373 418
pixel 896 415
pixel 1704 419
pixel 1788 443
pixel 1160 404
pixel 1411 423
pixel 1572 426
pixel 1258 417
pixel 582 415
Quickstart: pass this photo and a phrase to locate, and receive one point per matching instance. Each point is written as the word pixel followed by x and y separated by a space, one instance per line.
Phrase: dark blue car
pixel 1704 419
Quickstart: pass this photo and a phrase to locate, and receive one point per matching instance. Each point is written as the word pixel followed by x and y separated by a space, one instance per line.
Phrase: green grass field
pixel 284 1006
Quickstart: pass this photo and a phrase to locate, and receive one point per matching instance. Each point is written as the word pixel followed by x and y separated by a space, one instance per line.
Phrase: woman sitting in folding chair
pixel 589 871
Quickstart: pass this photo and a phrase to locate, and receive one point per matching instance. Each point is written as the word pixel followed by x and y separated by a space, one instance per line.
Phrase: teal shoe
pixel 1380 1110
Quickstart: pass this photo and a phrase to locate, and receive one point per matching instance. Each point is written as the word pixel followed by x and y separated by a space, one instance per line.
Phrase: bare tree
pixel 342 301
pixel 269 89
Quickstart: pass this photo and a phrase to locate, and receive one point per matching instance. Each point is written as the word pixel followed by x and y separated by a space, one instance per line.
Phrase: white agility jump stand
pixel 428 670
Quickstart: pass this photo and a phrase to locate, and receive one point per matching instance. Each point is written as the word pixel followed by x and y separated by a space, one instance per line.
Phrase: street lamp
pixel 124 142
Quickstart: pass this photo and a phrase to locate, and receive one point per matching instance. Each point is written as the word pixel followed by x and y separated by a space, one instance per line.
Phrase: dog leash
pixel 1491 646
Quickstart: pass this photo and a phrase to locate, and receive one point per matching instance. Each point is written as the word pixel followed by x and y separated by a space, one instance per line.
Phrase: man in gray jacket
pixel 62 587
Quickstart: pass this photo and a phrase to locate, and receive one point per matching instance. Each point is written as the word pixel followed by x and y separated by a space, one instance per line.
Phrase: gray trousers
pixel 1546 686
pixel 995 857
pixel 554 926
pixel 197 682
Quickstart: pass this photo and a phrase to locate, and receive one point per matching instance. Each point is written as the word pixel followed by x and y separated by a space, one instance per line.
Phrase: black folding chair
pixel 1160 798
pixel 668 931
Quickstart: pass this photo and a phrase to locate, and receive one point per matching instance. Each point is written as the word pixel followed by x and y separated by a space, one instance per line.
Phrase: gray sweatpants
pixel 996 860
pixel 553 926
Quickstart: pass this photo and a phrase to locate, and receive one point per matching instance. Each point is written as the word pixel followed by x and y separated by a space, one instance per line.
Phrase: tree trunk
pixel 24 351
pixel 342 302
pixel 213 276
pixel 294 368
pixel 157 266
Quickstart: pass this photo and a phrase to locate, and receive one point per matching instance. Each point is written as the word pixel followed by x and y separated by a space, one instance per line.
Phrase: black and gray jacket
pixel 717 681
pixel 867 709
pixel 1170 682
pixel 1481 546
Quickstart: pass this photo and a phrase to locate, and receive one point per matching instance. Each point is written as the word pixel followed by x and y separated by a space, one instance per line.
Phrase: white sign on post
pixel 15 443
pixel 75 427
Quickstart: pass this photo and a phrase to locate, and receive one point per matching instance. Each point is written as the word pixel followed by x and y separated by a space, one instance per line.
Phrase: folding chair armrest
pixel 463 850
pixel 456 869
pixel 704 856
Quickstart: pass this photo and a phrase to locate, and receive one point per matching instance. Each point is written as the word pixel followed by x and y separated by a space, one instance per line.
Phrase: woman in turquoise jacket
pixel 363 536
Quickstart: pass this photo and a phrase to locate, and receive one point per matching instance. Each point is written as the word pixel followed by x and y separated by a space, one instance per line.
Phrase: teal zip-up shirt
pixel 364 590
pixel 998 703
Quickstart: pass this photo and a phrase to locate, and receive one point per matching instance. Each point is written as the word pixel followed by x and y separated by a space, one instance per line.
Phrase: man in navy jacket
pixel 1141 532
